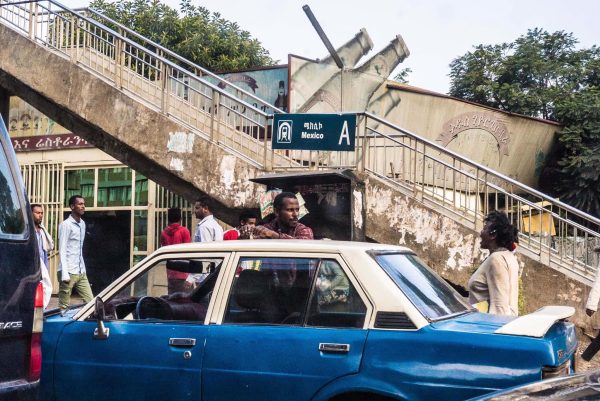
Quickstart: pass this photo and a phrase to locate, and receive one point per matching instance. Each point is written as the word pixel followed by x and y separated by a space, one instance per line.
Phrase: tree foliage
pixel 193 32
pixel 544 75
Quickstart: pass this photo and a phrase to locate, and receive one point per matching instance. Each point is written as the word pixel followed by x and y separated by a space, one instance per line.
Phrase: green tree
pixel 193 32
pixel 544 75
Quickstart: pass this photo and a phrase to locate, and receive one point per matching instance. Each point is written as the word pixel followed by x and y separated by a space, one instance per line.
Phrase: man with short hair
pixel 247 222
pixel 71 271
pixel 286 224
pixel 175 233
pixel 45 245
pixel 207 229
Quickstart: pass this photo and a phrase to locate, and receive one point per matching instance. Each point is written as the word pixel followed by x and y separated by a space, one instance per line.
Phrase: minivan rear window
pixel 12 213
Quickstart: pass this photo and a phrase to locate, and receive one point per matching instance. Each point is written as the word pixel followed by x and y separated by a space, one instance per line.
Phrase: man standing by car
pixel 71 271
pixel 286 224
pixel 45 245
pixel 207 229
pixel 173 234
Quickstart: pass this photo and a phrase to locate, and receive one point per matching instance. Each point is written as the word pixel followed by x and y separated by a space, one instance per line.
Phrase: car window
pixel 425 289
pixel 335 302
pixel 12 211
pixel 174 289
pixel 278 291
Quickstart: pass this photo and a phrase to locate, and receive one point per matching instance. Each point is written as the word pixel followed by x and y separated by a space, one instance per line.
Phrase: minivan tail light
pixel 39 296
pixel 35 349
pixel 35 357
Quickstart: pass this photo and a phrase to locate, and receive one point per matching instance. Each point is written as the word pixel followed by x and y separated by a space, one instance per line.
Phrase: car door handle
pixel 334 348
pixel 182 342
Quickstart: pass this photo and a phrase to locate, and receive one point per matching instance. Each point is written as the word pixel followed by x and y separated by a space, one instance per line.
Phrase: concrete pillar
pixel 4 105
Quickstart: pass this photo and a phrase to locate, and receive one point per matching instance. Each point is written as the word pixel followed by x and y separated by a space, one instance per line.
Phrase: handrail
pixel 481 167
pixel 179 58
pixel 152 78
pixel 467 191
pixel 155 54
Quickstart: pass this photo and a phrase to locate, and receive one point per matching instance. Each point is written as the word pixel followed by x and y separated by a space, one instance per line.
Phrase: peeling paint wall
pixel 181 142
pixel 396 218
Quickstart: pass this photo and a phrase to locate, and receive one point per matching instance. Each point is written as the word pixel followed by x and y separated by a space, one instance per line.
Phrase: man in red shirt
pixel 175 233
pixel 244 229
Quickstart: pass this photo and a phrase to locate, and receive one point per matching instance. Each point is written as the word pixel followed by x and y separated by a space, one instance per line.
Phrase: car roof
pixel 284 245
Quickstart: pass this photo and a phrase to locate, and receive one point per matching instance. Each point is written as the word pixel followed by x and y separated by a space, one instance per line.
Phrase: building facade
pixel 125 211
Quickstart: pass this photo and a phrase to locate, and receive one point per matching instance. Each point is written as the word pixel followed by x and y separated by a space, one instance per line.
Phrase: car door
pixel 154 347
pixel 288 325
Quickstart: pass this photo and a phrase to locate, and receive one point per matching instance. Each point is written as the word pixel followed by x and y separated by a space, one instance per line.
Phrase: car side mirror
pixel 101 332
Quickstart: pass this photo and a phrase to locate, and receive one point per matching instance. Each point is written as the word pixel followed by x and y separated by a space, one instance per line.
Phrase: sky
pixel 435 31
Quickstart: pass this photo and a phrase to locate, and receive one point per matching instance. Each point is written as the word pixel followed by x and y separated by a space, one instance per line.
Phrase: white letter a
pixel 344 134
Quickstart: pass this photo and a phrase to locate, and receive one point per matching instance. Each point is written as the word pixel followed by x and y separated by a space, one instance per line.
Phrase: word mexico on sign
pixel 314 131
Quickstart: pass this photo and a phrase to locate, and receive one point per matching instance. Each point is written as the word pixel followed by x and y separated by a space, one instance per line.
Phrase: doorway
pixel 107 246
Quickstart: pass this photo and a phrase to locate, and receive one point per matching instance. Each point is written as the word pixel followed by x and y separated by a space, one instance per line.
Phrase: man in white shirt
pixel 71 271
pixel 207 228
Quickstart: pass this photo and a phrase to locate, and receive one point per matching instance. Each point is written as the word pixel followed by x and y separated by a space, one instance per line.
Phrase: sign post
pixel 335 132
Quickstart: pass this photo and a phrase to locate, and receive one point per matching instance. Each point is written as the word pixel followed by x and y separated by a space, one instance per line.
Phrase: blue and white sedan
pixel 292 320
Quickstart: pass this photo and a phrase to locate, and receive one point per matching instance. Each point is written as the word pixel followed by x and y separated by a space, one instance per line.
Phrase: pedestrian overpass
pixel 191 131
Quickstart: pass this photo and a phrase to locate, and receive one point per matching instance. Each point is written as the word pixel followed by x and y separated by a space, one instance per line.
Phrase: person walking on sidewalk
pixel 45 245
pixel 71 271
pixel 173 234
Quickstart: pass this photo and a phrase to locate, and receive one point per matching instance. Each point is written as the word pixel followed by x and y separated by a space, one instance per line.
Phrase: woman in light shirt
pixel 494 287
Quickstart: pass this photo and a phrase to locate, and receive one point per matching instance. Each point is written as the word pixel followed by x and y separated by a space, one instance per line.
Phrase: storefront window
pixel 80 182
pixel 140 230
pixel 114 187
pixel 141 190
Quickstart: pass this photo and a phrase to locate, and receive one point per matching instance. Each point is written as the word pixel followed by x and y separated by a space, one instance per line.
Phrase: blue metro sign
pixel 314 131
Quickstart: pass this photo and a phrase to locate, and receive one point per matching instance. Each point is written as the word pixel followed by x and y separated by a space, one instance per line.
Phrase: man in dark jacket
pixel 175 233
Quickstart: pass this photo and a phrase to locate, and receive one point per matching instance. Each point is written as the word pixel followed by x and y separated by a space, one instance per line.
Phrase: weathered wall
pixel 514 145
pixel 134 134
pixel 453 250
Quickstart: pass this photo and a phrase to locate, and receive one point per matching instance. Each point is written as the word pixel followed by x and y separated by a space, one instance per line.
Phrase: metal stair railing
pixel 431 174
pixel 302 159
pixel 144 74
pixel 550 231
pixel 198 70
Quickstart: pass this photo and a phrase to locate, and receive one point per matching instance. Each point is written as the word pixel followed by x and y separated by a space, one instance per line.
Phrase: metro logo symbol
pixel 284 131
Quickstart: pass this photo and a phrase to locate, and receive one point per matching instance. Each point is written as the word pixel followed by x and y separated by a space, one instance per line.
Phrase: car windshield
pixel 430 294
